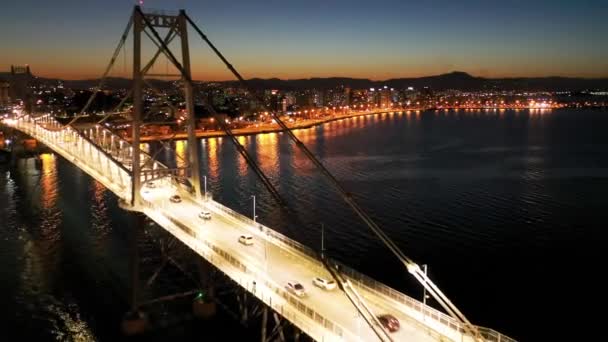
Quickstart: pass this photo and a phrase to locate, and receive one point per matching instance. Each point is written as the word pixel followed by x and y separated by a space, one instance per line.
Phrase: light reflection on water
pixel 489 190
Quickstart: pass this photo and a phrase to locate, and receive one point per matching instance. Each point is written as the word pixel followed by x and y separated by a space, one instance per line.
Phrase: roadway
pixel 280 265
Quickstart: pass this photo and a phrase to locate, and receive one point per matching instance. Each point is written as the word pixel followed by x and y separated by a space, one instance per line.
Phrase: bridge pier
pixel 264 323
pixel 204 305
pixel 135 321
pixel 242 300
pixel 278 329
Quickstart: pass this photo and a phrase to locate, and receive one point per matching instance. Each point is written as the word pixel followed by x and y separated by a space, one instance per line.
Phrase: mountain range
pixel 454 80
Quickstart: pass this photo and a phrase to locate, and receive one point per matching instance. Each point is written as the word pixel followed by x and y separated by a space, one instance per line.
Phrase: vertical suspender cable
pixel 163 47
pixel 107 71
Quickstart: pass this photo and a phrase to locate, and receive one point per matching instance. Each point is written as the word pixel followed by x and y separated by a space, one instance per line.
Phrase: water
pixel 507 208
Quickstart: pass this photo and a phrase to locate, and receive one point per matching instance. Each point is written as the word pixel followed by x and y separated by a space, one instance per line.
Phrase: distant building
pixel 372 97
pixel 337 99
pixel 317 98
pixel 21 77
pixel 385 97
pixel 273 99
pixel 347 96
pixel 290 98
pixel 5 99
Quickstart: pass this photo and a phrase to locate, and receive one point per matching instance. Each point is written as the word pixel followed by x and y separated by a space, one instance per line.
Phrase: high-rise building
pixel 385 97
pixel 337 99
pixel 372 97
pixel 410 94
pixel 347 96
pixel 4 93
pixel 273 100
pixel 21 77
pixel 290 98
pixel 317 98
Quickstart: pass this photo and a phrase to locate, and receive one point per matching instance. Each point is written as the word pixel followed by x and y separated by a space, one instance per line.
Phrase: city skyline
pixel 306 39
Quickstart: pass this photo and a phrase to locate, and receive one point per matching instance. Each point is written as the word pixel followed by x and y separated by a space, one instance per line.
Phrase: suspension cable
pixel 411 266
pixel 170 36
pixel 105 74
pixel 162 46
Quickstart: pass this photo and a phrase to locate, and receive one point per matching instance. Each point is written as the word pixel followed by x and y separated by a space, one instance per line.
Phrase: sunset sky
pixel 378 39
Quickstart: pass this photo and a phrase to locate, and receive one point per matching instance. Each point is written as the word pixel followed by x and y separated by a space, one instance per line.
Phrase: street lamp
pixel 424 296
pixel 322 241
pixel 205 177
pixel 254 215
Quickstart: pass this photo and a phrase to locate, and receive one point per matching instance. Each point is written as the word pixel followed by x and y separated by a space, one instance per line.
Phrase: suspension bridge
pixel 263 269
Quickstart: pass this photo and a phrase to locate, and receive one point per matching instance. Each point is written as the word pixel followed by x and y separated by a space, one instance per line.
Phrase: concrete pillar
pixel 192 141
pixel 264 323
pixel 137 106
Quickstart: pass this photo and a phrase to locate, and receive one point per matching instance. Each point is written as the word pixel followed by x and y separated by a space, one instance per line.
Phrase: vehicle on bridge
pixel 296 288
pixel 324 283
pixel 389 322
pixel 205 215
pixel 175 199
pixel 246 239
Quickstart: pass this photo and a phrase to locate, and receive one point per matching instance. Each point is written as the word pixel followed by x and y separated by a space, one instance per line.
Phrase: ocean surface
pixel 507 208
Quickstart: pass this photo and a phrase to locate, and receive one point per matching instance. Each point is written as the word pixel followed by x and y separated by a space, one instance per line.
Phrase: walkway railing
pixel 77 149
pixel 249 278
pixel 120 148
pixel 366 282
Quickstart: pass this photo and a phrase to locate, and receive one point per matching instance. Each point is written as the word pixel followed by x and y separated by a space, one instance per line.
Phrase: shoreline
pixel 263 128
pixel 302 125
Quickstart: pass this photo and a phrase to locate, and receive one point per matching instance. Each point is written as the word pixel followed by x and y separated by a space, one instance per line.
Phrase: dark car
pixel 389 322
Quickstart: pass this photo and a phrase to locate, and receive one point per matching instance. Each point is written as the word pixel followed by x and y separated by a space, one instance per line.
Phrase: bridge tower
pixel 147 22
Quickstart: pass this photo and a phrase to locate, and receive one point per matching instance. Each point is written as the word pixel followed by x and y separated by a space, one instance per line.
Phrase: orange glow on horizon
pixel 77 71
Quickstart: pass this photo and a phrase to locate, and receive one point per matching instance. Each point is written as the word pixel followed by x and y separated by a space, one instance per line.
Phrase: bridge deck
pixel 271 265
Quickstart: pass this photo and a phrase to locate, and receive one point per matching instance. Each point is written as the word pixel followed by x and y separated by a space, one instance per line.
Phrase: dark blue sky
pixel 294 38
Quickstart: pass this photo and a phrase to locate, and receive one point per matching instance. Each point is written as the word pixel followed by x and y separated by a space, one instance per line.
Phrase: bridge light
pixel 412 268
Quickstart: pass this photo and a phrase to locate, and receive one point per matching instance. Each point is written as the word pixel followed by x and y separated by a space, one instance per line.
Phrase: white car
pixel 296 288
pixel 175 199
pixel 324 283
pixel 205 215
pixel 151 185
pixel 246 240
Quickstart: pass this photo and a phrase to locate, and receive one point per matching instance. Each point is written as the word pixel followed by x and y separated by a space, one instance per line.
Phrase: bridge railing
pixel 77 148
pixel 256 274
pixel 119 148
pixel 492 335
pixel 368 282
